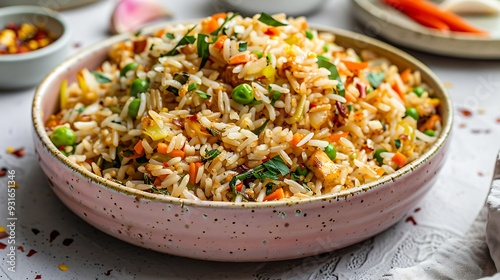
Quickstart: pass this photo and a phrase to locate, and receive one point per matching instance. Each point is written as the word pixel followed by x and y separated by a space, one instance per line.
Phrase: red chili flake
pixel 412 220
pixel 312 105
pixel 3 172
pixel 107 273
pixel 76 45
pixel 462 125
pixel 67 241
pixel 53 235
pixel 38 276
pixel 480 174
pixel 498 120
pixel 19 152
pixel 465 112
pixel 417 209
pixel 35 231
pixel 2 246
pixel 3 235
pixel 20 248
pixel 165 164
pixel 31 253
pixel 178 122
pixel 362 90
pixel 193 118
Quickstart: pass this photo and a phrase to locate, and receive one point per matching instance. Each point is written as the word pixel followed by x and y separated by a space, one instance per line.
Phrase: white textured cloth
pixel 476 255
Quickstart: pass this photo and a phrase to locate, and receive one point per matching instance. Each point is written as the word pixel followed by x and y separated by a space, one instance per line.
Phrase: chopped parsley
pixel 184 41
pixel 202 94
pixel 210 155
pixel 192 86
pixel 261 128
pixel 221 27
pixel 170 36
pixel 269 20
pixel 100 78
pixel 203 51
pixel 334 75
pixel 242 46
pixel 270 169
pixel 375 78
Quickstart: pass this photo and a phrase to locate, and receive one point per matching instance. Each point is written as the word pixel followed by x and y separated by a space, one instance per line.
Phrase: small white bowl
pixel 28 69
pixel 289 7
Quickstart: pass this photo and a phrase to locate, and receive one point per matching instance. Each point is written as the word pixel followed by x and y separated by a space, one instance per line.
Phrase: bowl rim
pixel 38 126
pixel 59 43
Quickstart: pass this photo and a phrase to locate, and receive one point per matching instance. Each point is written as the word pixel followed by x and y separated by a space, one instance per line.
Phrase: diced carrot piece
pixel 405 75
pixel 272 31
pixel 219 43
pixel 219 16
pixel 303 25
pixel 430 123
pixel 210 25
pixel 354 66
pixel 399 159
pixel 276 195
pixel 162 148
pixel 157 182
pixel 239 187
pixel 243 58
pixel 192 172
pixel 138 148
pixel 297 137
pixel 399 87
pixel 176 153
pixel 335 137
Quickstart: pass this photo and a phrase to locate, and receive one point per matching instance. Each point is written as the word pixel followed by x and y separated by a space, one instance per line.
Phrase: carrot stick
pixel 276 195
pixel 219 43
pixel 335 137
pixel 296 139
pixel 399 87
pixel 430 123
pixel 162 148
pixel 429 21
pixel 176 153
pixel 354 66
pixel 242 58
pixel 157 181
pixel 399 159
pixel 192 172
pixel 210 25
pixel 138 148
pixel 426 9
pixel 405 75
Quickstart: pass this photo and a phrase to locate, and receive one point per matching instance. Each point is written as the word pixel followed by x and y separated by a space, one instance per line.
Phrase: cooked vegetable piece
pixel 129 67
pixel 324 169
pixel 269 20
pixel 243 94
pixel 378 157
pixel 133 108
pixel 334 74
pixel 412 112
pixel 330 151
pixel 138 86
pixel 63 136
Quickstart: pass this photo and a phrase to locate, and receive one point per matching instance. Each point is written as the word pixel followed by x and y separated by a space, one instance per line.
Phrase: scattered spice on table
pixel 2 246
pixel 31 253
pixel 107 273
pixel 412 220
pixel 3 235
pixel 416 209
pixel 465 112
pixel 498 120
pixel 3 172
pixel 35 231
pixel 20 248
pixel 462 125
pixel 63 267
pixel 38 276
pixel 480 174
pixel 18 38
pixel 67 241
pixel 53 235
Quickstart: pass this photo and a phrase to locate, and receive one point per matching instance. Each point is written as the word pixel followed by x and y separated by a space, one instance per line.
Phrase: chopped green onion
pixel 375 78
pixel 202 94
pixel 378 157
pixel 309 34
pixel 210 155
pixel 185 40
pixel 170 36
pixel 203 50
pixel 270 169
pixel 350 107
pixel 334 75
pixel 397 143
pixel 275 96
pixel 216 32
pixel 192 86
pixel 269 20
pixel 257 53
pixel 261 128
pixel 152 46
pixel 242 46
pixel 100 78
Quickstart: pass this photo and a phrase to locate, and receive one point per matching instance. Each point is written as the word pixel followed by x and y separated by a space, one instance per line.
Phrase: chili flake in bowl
pixel 33 41
pixel 24 37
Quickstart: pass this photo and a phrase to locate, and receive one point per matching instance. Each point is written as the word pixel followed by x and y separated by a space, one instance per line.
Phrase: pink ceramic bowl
pixel 237 232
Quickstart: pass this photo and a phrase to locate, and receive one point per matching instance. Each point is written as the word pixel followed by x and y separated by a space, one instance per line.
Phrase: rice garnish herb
pixel 243 109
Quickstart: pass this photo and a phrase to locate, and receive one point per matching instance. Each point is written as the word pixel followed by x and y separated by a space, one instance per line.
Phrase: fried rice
pixel 166 112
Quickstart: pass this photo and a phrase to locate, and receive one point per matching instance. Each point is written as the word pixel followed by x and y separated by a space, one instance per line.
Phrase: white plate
pixel 382 20
pixel 54 5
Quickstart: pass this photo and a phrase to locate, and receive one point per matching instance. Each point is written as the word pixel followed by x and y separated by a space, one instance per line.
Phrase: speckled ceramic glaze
pixel 229 231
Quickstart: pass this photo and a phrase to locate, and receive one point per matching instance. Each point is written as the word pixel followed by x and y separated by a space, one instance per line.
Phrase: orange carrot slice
pixel 276 195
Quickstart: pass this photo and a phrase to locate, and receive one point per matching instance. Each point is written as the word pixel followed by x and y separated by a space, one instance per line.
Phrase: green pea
pixel 430 132
pixel 243 94
pixel 301 170
pixel 330 151
pixel 418 91
pixel 138 86
pixel 257 53
pixel 378 157
pixel 412 112
pixel 129 67
pixel 133 108
pixel 63 136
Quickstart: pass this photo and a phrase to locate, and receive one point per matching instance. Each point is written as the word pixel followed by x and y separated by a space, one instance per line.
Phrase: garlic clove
pixel 129 15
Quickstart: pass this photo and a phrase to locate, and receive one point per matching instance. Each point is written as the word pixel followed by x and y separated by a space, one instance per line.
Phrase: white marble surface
pixel 447 211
